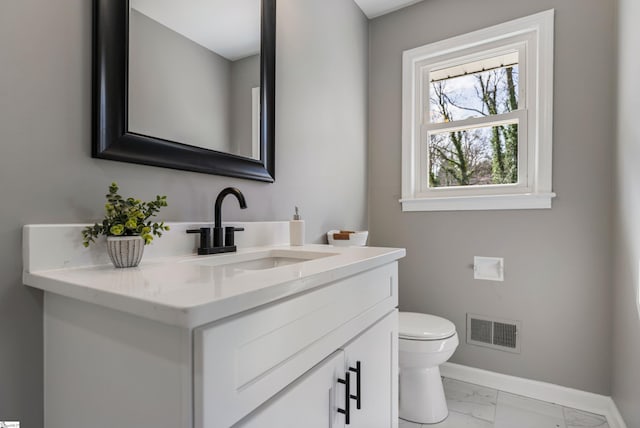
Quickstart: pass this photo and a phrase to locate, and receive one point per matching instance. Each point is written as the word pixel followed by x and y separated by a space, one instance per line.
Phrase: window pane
pixel 472 157
pixel 475 89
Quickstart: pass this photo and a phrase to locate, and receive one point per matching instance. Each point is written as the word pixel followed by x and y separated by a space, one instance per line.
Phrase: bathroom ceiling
pixel 231 28
pixel 374 8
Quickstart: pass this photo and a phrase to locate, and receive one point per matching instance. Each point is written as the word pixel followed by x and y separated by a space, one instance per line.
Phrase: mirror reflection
pixel 194 73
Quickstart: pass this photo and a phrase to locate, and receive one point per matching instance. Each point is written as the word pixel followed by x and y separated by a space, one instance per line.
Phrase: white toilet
pixel 425 342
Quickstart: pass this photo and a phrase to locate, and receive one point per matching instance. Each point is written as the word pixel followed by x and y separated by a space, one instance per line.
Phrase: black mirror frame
pixel 111 138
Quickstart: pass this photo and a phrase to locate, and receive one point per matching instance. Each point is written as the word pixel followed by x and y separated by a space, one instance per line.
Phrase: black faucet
pixel 217 225
pixel 220 245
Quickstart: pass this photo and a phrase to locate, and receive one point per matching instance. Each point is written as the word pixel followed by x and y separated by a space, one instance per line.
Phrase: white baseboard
pixel 581 400
pixel 613 416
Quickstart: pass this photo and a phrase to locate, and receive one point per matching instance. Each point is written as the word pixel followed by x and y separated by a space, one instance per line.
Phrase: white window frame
pixel 532 37
pixel 255 123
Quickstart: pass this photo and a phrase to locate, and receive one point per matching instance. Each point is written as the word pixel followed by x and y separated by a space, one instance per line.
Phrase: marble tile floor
pixel 473 406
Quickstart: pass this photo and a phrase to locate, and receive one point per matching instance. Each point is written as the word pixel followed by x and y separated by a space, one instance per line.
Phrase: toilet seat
pixel 424 327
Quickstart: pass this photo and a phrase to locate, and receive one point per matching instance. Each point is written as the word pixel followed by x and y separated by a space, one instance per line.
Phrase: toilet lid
pixel 418 326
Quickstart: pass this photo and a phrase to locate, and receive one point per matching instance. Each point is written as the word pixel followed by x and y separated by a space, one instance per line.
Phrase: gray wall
pixel 626 303
pixel 557 262
pixel 178 90
pixel 48 176
pixel 245 75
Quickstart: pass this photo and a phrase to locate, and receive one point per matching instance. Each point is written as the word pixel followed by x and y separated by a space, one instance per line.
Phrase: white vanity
pixel 271 336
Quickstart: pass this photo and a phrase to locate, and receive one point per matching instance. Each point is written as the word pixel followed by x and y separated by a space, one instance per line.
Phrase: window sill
pixel 528 201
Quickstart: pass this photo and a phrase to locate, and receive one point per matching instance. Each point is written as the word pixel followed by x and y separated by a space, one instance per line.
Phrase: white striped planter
pixel 125 251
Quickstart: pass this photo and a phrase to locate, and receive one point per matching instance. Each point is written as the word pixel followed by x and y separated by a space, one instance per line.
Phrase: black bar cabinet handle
pixel 347 396
pixel 358 396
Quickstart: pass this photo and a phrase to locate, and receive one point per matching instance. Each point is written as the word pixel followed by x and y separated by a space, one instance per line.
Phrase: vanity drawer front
pixel 242 362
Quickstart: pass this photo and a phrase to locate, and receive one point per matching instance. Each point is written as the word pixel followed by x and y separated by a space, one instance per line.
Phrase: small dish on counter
pixel 347 238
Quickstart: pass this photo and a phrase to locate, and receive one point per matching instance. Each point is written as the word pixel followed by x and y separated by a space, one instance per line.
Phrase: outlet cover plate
pixel 488 268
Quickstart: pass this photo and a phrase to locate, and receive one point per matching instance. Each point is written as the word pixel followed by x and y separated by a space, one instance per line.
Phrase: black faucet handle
pixel 202 230
pixel 229 235
pixel 205 238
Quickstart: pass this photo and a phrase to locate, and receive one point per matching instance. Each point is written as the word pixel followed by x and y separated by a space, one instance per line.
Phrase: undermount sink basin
pixel 261 260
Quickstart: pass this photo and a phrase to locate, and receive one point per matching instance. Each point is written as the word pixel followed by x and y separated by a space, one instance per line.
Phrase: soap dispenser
pixel 296 229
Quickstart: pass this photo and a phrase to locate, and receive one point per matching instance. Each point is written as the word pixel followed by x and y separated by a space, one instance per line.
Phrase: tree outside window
pixel 483 155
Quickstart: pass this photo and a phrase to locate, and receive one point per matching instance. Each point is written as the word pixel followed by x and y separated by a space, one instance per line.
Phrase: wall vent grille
pixel 493 333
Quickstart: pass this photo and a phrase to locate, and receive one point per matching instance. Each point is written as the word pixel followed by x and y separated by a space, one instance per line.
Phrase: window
pixel 477 119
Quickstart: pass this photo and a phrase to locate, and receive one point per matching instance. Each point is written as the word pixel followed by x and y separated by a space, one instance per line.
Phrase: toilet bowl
pixel 425 342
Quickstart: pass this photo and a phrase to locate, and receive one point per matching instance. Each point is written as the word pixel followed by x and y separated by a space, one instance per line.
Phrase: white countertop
pixel 178 291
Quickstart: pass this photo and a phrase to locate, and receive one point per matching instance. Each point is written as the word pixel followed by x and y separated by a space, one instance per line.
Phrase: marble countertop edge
pixel 174 291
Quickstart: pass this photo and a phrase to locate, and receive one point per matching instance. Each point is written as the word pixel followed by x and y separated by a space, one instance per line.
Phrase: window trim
pixel 536 31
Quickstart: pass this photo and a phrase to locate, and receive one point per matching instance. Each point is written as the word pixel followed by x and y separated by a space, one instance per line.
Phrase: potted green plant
pixel 127 227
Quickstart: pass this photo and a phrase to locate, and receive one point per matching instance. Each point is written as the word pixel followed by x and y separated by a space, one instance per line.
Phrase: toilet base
pixel 422 397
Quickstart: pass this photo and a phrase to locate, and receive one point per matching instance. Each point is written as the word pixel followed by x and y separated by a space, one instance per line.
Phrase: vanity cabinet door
pixel 312 401
pixel 242 362
pixel 372 357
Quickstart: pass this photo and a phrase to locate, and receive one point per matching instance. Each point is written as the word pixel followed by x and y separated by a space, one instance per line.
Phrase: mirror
pixel 186 84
